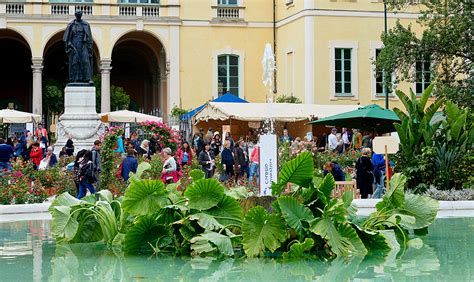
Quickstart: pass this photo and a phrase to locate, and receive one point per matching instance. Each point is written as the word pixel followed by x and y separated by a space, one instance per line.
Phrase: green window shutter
pixel 228 74
pixel 343 83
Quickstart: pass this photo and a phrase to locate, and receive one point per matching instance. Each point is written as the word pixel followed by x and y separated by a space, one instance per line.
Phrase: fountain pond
pixel 29 253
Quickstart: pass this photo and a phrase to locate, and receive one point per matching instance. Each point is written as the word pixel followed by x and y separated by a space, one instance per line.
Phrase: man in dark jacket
pixel 96 161
pixel 6 153
pixel 129 164
pixel 242 159
pixel 207 160
pixel 335 169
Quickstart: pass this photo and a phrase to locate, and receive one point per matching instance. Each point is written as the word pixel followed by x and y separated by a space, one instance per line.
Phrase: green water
pixel 28 253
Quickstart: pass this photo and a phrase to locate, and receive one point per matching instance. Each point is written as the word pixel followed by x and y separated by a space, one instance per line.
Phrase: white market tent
pixel 127 116
pixel 12 116
pixel 283 112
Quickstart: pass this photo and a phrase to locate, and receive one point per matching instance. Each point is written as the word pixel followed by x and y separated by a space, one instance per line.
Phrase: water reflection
pixel 26 249
pixel 93 261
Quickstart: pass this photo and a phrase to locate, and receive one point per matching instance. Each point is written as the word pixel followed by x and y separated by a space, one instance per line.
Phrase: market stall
pixel 243 116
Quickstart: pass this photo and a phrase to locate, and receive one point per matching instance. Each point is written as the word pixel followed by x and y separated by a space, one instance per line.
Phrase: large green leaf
pixel 395 197
pixel 201 247
pixel 297 249
pixel 326 228
pixel 261 231
pixel 227 211
pixel 298 171
pixel 425 96
pixel 142 167
pixel 143 235
pixel 327 185
pixel 105 195
pixel 222 242
pixel 206 221
pixel 347 231
pixel 423 208
pixel 372 239
pixel 89 229
pixel 65 199
pixel 204 194
pixel 145 197
pixel 187 231
pixel 196 174
pixel 239 193
pixel 64 225
pixel 296 215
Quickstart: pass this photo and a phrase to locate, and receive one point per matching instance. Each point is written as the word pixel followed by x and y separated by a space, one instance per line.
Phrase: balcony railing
pixel 127 11
pixel 228 12
pixel 59 9
pixel 63 9
pixel 86 9
pixel 15 8
pixel 151 11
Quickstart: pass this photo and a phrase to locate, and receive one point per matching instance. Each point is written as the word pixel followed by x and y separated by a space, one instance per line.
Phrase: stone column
pixel 174 70
pixel 105 85
pixel 37 68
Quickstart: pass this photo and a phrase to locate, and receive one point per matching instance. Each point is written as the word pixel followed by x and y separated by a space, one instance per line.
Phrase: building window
pixel 423 75
pixel 228 74
pixel 380 81
pixel 139 1
pixel 226 2
pixel 342 72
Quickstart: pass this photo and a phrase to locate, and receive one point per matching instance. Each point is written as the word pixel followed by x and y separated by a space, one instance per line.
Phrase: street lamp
pixel 383 71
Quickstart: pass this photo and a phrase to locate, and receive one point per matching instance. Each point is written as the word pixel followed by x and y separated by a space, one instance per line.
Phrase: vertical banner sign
pixel 268 163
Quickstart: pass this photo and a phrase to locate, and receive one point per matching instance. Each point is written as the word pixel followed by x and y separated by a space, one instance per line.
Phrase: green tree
pixel 288 99
pixel 447 40
pixel 177 112
pixel 119 99
pixel 54 95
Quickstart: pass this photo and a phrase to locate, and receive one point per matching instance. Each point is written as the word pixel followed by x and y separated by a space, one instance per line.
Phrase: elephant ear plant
pixel 204 220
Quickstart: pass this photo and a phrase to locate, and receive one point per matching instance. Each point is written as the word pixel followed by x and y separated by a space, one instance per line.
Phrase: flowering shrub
pixel 49 178
pixel 22 185
pixel 66 184
pixel 164 135
pixel 108 156
pixel 36 194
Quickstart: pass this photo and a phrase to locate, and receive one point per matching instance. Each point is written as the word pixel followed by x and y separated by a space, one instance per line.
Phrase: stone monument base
pixel 80 120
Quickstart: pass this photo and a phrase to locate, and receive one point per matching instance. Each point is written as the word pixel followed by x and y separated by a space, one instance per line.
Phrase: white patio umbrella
pixel 127 116
pixel 12 116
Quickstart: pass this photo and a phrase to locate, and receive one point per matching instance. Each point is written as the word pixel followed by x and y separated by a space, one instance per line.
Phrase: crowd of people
pixel 32 147
pixel 239 159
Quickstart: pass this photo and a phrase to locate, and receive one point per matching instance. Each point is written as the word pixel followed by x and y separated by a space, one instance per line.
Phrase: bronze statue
pixel 78 41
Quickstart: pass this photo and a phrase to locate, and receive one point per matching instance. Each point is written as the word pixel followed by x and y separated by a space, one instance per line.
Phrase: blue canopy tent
pixel 185 124
pixel 226 98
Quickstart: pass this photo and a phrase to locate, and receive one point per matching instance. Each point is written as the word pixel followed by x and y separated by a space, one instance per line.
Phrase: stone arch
pixel 16 75
pixel 158 38
pixel 139 66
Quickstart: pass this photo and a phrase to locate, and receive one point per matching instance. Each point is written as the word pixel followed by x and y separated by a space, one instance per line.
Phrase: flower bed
pixel 164 135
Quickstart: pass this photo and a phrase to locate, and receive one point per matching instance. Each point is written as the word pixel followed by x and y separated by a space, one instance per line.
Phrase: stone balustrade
pixel 15 8
pixel 27 8
pixel 228 12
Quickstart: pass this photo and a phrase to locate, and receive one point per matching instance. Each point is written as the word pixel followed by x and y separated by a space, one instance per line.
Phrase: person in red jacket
pixel 184 155
pixel 36 154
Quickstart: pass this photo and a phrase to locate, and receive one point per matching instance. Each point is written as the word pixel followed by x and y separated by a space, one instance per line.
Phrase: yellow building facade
pixel 167 53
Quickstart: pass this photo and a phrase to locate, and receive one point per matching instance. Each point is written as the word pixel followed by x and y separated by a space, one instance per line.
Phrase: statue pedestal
pixel 80 119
